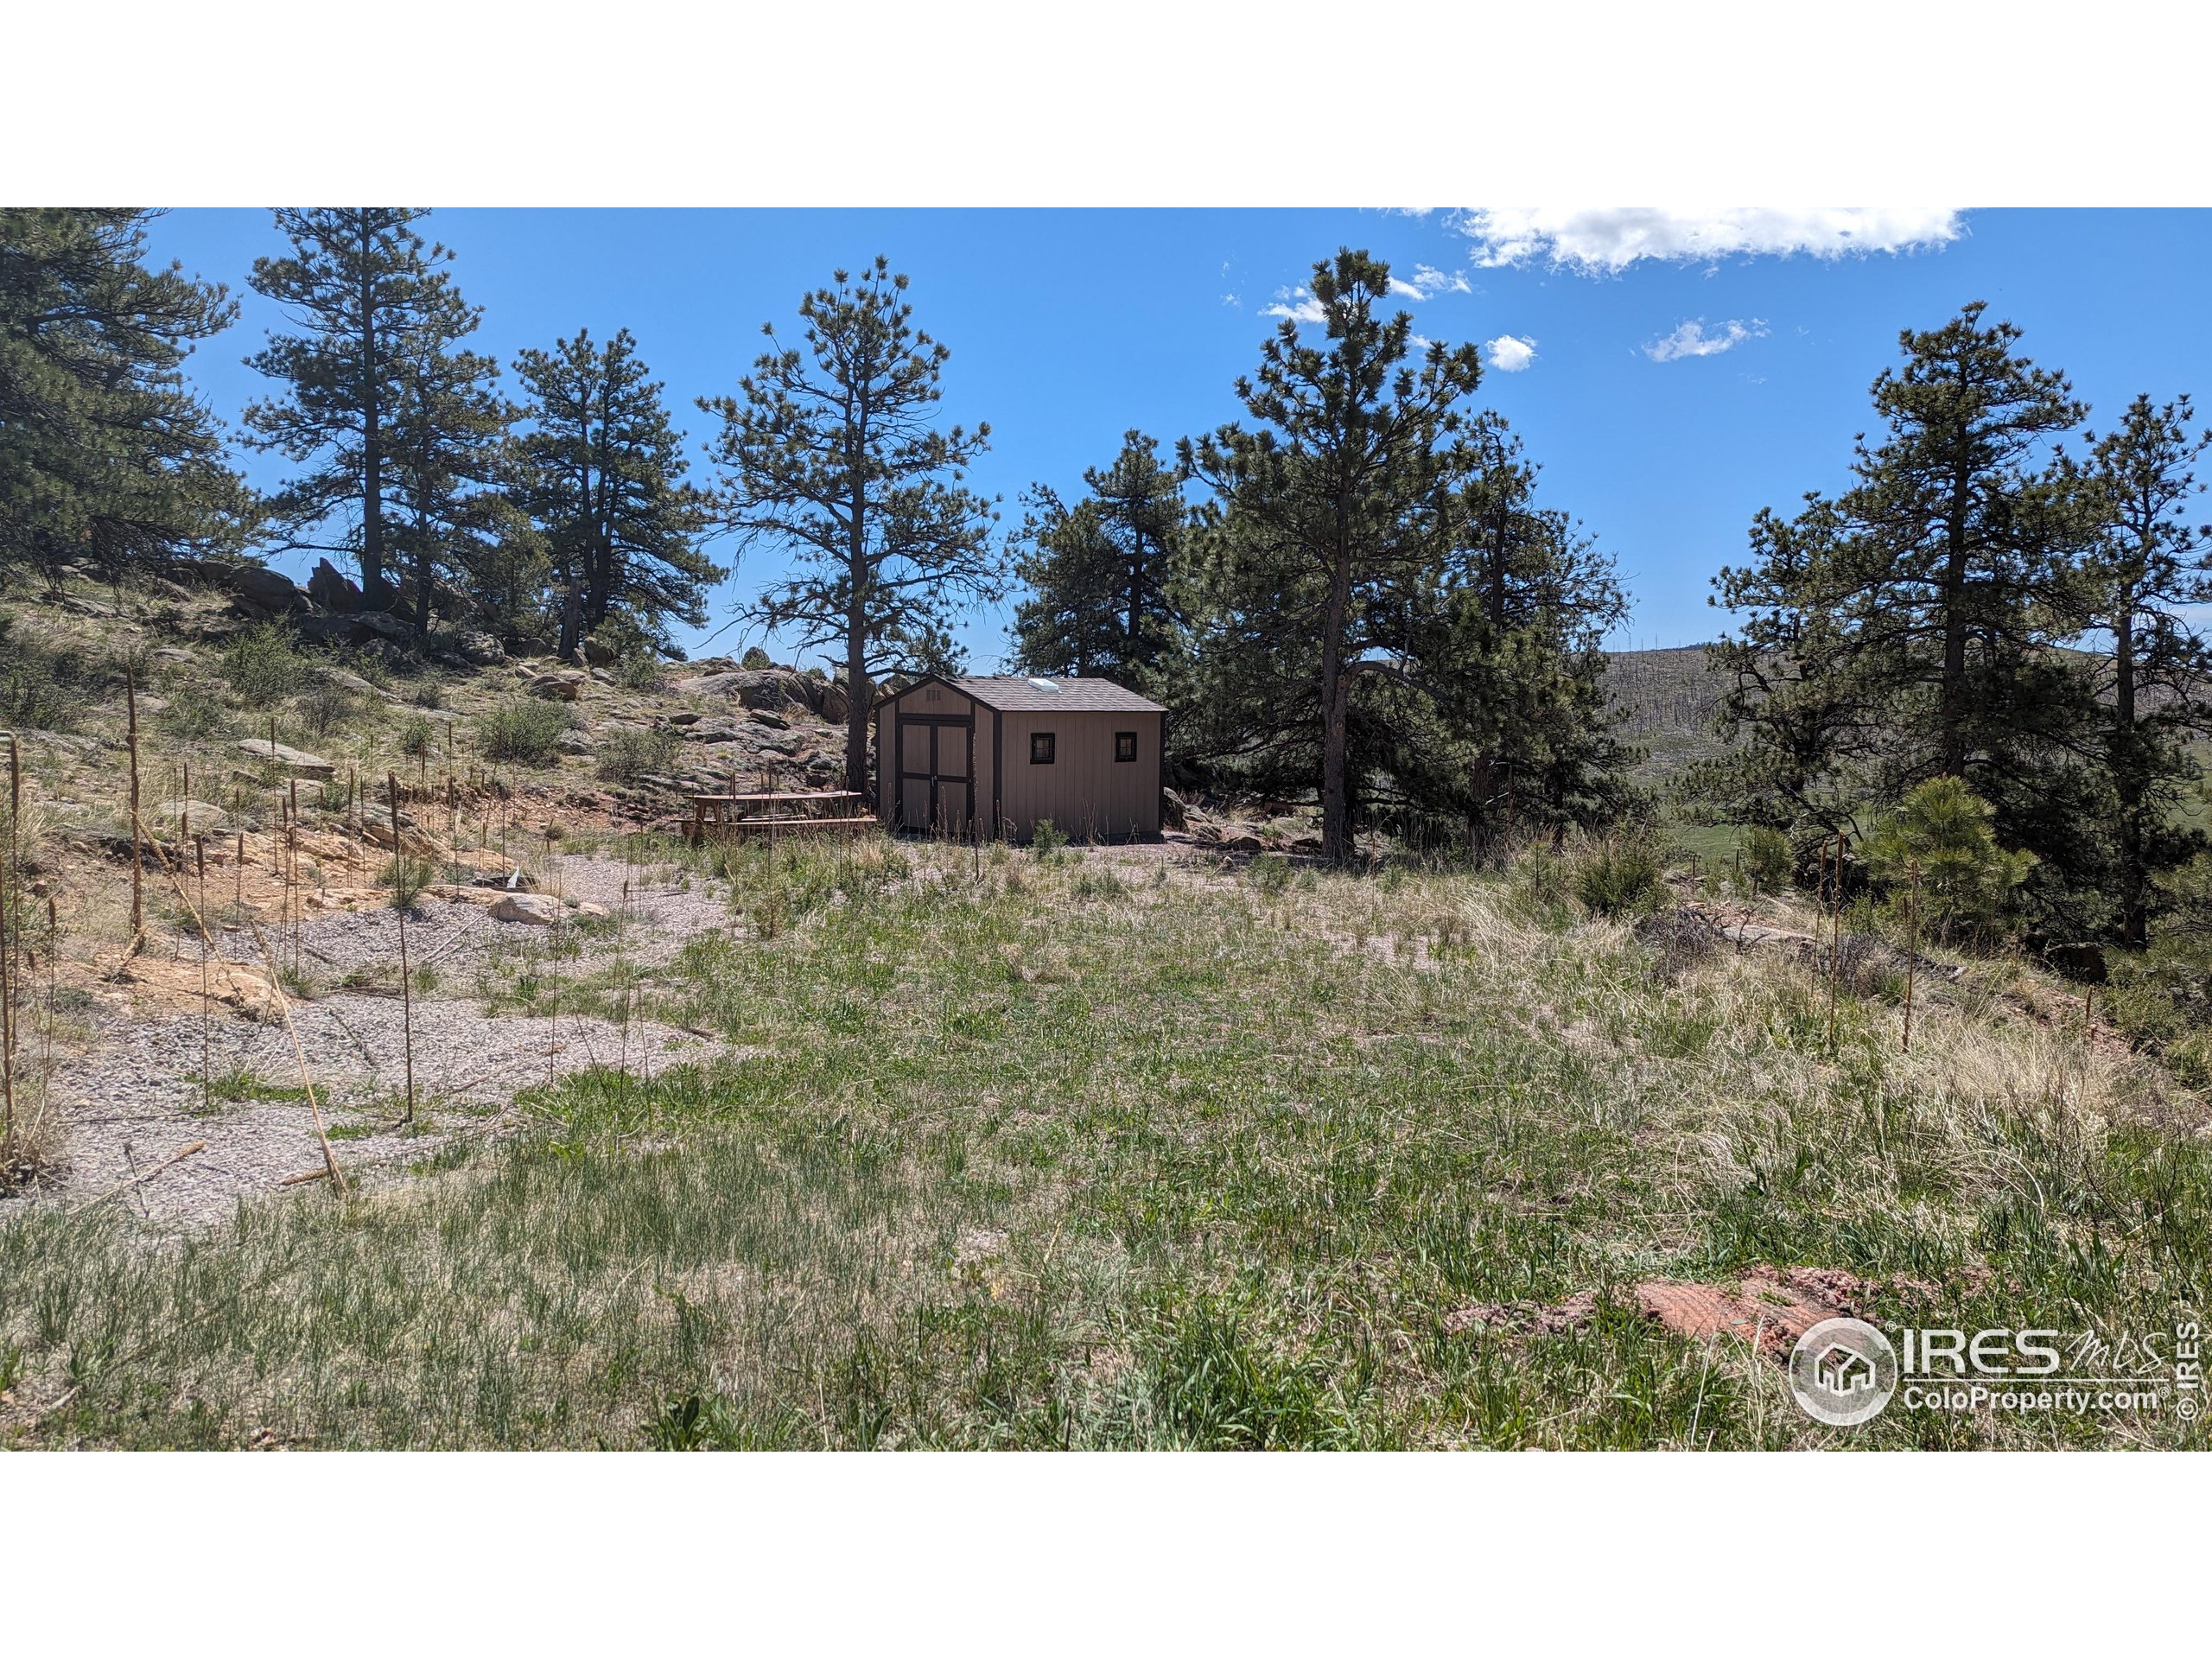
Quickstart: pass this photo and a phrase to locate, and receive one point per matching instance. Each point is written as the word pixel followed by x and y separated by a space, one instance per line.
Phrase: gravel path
pixel 134 1099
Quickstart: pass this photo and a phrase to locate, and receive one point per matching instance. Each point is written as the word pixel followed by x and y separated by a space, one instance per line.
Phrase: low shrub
pixel 1616 880
pixel 262 664
pixel 195 714
pixel 525 729
pixel 639 671
pixel 1768 864
pixel 626 755
pixel 41 688
pixel 323 707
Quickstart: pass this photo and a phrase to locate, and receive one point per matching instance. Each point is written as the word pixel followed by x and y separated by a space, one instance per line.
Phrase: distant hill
pixel 1664 702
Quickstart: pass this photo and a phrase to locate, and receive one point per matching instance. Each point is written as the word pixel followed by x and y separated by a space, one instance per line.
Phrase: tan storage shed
pixel 994 755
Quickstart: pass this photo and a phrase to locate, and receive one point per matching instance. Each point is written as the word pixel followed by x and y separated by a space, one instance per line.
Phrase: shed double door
pixel 936 776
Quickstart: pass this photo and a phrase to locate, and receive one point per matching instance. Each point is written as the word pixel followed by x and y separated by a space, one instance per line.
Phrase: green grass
pixel 1073 1157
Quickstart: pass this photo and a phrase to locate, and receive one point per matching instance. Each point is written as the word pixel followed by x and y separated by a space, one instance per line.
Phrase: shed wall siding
pixel 1085 792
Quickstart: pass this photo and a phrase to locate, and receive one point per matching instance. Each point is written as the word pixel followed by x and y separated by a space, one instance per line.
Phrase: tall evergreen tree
pixel 2149 576
pixel 358 285
pixel 829 452
pixel 105 452
pixel 1904 630
pixel 1103 575
pixel 1522 666
pixel 1330 521
pixel 447 442
pixel 601 474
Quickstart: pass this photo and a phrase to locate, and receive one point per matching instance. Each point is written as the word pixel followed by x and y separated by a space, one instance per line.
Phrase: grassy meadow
pixel 1105 1150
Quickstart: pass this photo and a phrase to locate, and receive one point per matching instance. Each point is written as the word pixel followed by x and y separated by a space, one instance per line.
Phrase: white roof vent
pixel 1043 685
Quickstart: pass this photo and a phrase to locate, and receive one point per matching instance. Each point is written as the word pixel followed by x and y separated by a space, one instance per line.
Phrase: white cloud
pixel 1509 354
pixel 1296 303
pixel 1609 239
pixel 1406 290
pixel 1429 280
pixel 1691 339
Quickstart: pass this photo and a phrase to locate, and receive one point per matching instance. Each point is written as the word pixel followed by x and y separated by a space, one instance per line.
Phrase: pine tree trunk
pixel 2127 780
pixel 374 596
pixel 856 710
pixel 1336 826
pixel 1953 707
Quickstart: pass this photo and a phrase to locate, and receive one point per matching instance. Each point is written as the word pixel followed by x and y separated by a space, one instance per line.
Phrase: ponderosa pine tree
pixel 1104 574
pixel 446 442
pixel 1905 629
pixel 106 454
pixel 1520 665
pixel 2149 576
pixel 1331 525
pixel 358 284
pixel 602 474
pixel 830 453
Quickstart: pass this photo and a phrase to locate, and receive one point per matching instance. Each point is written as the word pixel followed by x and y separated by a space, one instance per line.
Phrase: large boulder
pixel 565 685
pixel 197 816
pixel 479 648
pixel 836 705
pixel 264 592
pixel 772 688
pixel 536 909
pixel 360 628
pixel 294 761
pixel 333 590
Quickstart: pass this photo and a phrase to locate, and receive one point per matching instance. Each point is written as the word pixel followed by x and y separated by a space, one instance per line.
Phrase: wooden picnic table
pixel 736 817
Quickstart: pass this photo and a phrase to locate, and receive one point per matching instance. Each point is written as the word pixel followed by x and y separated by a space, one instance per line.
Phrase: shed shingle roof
pixel 1082 697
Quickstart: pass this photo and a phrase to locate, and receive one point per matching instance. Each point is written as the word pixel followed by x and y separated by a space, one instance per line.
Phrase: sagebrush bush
pixel 524 729
pixel 1768 864
pixel 1616 880
pixel 639 671
pixel 324 706
pixel 41 688
pixel 195 714
pixel 626 755
pixel 262 664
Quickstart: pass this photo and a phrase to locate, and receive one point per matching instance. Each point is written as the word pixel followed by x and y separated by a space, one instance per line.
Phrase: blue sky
pixel 1679 370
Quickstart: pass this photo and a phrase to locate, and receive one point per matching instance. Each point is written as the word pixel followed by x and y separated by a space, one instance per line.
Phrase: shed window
pixel 1040 748
pixel 1125 745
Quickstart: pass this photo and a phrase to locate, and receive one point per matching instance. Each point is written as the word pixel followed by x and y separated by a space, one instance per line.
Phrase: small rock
pixel 594 912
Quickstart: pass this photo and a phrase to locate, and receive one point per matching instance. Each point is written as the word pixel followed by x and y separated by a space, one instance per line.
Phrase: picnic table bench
pixel 771 812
